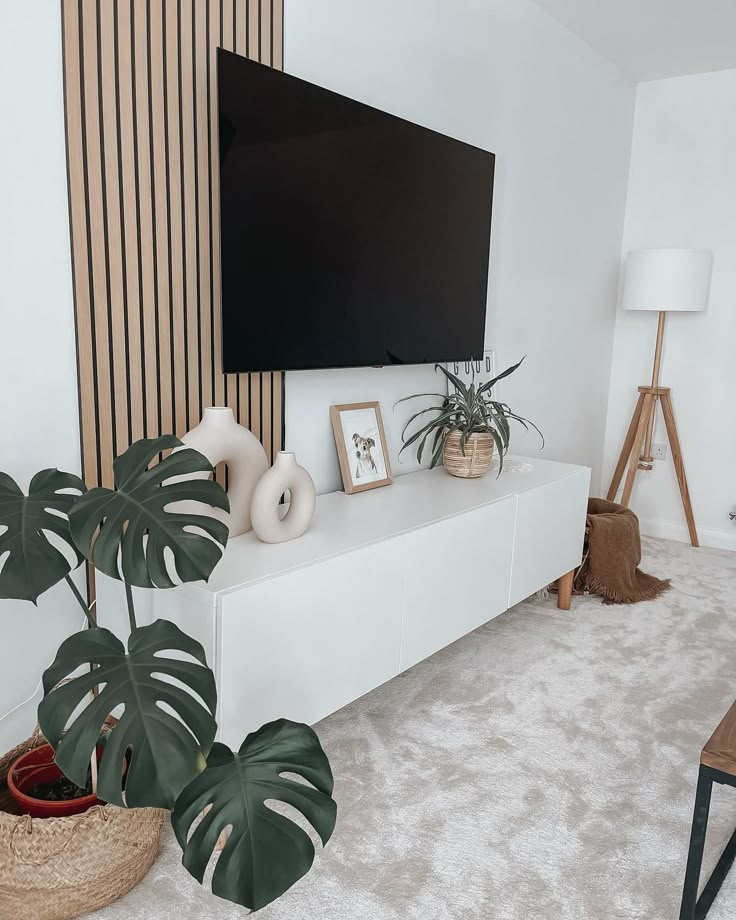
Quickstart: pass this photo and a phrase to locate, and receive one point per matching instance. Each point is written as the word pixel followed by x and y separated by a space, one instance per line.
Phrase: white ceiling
pixel 654 39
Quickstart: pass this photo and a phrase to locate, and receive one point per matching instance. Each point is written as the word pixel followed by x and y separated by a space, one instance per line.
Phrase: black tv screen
pixel 349 237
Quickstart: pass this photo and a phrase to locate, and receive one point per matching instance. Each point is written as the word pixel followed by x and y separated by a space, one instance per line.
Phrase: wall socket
pixel 659 451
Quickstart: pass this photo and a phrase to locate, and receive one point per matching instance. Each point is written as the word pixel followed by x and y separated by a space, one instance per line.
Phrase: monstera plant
pixel 160 751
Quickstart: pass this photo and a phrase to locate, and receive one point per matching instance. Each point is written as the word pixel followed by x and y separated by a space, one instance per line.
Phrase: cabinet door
pixel 550 526
pixel 457 578
pixel 304 644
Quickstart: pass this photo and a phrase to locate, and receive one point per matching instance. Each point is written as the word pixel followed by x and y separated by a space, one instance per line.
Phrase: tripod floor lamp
pixel 663 280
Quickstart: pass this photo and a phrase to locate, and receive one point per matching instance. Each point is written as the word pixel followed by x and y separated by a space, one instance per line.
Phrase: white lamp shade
pixel 667 279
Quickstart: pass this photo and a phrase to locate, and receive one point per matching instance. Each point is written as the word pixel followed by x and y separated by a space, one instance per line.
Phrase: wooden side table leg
pixel 564 590
pixel 697 844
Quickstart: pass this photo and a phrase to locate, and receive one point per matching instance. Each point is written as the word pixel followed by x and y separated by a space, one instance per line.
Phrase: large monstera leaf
pixel 265 853
pixel 136 525
pixel 33 564
pixel 164 752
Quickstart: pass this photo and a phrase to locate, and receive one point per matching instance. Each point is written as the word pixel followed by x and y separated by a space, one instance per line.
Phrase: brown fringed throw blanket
pixel 610 566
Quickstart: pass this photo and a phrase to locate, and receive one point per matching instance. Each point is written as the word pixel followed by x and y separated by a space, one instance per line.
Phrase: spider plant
pixel 467 409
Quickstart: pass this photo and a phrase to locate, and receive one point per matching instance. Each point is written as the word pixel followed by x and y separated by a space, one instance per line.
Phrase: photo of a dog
pixel 361 446
pixel 365 464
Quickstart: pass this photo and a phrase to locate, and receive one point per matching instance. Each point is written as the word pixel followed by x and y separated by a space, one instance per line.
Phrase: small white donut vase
pixel 264 511
pixel 219 437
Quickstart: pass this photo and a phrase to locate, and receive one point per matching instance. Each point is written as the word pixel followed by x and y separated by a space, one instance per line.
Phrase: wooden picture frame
pixel 361 446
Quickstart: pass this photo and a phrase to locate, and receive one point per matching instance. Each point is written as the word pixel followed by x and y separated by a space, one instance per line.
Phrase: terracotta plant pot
pixel 37 766
pixel 477 457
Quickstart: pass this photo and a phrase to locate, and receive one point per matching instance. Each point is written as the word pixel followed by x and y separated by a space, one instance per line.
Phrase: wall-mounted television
pixel 349 237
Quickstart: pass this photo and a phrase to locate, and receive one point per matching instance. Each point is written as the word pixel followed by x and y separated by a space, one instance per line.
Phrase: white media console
pixel 381 580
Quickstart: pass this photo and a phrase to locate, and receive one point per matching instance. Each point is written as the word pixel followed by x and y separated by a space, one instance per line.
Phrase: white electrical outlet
pixel 659 451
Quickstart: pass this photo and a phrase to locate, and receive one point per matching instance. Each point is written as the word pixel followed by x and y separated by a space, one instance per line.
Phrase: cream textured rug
pixel 542 767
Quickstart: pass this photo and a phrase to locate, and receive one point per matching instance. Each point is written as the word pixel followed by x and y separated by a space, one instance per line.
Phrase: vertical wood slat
pixel 157 150
pixel 278 429
pixel 228 42
pixel 146 257
pixel 254 30
pixel 265 16
pixel 214 176
pixel 278 36
pixel 216 36
pixel 240 13
pixel 92 140
pixel 189 205
pixel 129 217
pixel 240 45
pixel 140 100
pixel 201 102
pixel 75 156
pixel 175 216
pixel 114 238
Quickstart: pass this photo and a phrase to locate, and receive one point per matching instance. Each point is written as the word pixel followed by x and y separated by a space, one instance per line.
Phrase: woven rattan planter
pixel 59 868
pixel 477 457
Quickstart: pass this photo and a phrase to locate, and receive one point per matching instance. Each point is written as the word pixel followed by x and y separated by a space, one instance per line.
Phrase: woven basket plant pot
pixel 477 457
pixel 59 868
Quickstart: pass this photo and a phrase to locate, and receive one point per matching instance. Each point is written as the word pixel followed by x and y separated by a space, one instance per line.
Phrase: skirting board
pixel 669 530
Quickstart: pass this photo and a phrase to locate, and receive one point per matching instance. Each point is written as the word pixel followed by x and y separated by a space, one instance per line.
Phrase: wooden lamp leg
pixel 636 447
pixel 669 421
pixel 625 450
pixel 564 590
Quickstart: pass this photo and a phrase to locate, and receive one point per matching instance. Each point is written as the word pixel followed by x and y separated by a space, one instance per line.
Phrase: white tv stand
pixel 381 580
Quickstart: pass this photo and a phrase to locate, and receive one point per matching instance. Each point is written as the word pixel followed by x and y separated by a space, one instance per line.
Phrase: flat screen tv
pixel 349 237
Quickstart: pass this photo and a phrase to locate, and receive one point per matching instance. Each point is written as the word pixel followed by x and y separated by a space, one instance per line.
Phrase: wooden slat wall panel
pixel 142 167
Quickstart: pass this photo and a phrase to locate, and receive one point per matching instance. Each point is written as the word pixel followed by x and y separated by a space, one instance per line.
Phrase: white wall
pixel 38 392
pixel 682 193
pixel 497 73
pixel 503 75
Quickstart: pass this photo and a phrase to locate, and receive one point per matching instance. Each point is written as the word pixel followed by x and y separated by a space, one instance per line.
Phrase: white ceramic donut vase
pixel 264 510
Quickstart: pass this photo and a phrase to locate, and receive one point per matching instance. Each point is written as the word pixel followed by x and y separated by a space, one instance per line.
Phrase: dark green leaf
pixel 422 444
pixel 437 453
pixel 136 526
pixel 167 752
pixel 440 422
pixel 454 380
pixel 500 447
pixel 496 422
pixel 265 852
pixel 34 564
pixel 417 415
pixel 526 423
pixel 419 396
pixel 489 384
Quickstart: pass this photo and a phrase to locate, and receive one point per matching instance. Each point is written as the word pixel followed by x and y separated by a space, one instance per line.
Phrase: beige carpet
pixel 542 767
